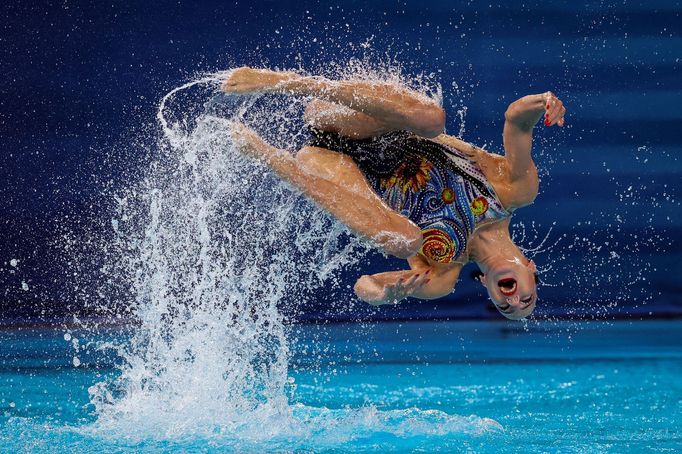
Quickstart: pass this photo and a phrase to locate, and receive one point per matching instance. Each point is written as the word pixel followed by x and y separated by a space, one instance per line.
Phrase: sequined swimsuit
pixel 435 186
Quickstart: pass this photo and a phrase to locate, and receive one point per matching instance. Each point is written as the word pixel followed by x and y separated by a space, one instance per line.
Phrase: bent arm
pixel 392 286
pixel 520 118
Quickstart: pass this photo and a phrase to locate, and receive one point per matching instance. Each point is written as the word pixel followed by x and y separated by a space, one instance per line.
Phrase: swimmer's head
pixel 512 286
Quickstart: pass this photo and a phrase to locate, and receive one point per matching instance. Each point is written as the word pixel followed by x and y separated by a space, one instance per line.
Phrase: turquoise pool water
pixel 424 386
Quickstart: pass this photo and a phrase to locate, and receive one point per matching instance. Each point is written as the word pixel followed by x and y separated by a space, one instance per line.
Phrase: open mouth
pixel 507 286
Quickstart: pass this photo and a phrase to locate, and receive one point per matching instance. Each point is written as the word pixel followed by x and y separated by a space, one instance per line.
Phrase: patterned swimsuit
pixel 435 186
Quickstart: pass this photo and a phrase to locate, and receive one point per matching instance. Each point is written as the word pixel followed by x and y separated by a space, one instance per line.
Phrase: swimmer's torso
pixel 437 187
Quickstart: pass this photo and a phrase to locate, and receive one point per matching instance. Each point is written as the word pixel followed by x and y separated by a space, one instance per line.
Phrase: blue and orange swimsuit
pixel 435 186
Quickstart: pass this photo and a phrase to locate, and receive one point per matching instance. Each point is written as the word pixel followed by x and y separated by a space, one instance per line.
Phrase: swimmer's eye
pixel 528 300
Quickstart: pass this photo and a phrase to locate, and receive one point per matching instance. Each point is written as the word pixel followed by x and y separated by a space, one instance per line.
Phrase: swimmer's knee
pixel 303 155
pixel 428 121
pixel 308 159
pixel 413 242
pixel 401 243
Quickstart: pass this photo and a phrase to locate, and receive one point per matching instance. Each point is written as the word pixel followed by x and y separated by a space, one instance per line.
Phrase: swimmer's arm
pixel 393 286
pixel 442 282
pixel 520 118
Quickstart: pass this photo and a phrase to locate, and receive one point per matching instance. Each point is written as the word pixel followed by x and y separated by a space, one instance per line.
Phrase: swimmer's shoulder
pixel 496 169
pixel 474 153
pixel 493 165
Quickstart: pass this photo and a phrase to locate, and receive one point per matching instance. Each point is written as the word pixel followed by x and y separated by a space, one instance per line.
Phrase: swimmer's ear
pixel 534 269
pixel 531 266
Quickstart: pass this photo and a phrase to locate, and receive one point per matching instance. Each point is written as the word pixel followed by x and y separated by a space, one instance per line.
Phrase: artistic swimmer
pixel 379 162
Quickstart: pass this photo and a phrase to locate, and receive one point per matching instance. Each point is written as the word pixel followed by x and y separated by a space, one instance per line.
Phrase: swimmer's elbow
pixel 527 191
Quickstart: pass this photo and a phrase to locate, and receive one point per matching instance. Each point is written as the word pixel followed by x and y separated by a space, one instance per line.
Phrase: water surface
pixel 430 386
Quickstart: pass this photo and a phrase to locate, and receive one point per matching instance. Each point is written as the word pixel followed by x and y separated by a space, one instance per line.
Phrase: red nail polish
pixel 547 122
pixel 427 271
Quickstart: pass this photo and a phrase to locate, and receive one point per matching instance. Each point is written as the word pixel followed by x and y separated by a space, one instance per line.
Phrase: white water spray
pixel 215 259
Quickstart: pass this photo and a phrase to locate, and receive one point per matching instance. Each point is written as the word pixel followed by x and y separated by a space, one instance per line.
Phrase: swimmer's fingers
pixel 393 293
pixel 418 281
pixel 405 286
pixel 554 109
pixel 402 288
pixel 557 113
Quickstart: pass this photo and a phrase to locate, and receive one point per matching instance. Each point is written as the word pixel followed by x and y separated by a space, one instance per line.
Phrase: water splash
pixel 217 255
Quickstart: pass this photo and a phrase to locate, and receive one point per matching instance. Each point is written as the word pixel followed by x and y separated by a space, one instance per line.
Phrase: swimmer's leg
pixel 331 117
pixel 335 183
pixel 394 106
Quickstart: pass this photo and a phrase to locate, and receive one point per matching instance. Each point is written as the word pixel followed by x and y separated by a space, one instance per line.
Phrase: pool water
pixel 387 387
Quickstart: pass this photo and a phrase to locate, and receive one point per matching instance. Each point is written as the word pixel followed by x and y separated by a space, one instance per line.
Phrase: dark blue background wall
pixel 81 80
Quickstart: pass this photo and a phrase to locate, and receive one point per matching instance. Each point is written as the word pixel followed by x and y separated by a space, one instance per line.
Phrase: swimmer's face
pixel 512 286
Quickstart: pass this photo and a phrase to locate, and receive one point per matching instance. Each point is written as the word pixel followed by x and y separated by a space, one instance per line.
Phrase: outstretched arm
pixel 393 286
pixel 395 106
pixel 520 118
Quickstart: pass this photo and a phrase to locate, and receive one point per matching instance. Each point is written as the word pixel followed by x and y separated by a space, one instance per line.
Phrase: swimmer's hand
pixel 389 290
pixel 525 112
pixel 251 80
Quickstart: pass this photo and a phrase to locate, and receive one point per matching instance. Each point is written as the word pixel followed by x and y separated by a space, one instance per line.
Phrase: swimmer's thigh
pixel 379 221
